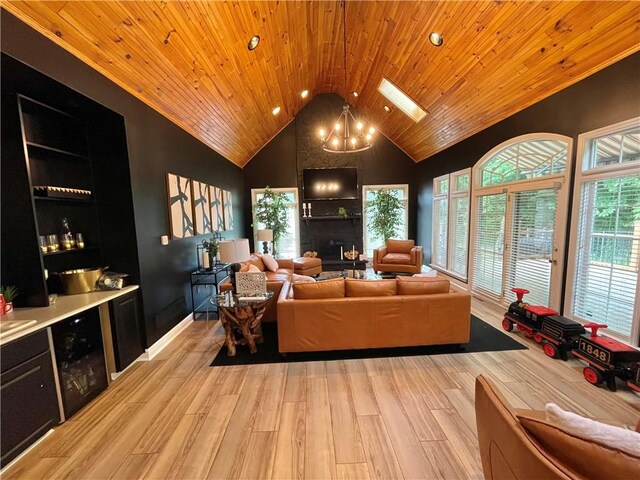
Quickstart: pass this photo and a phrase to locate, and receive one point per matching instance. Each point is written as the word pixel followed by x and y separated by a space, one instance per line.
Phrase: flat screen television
pixel 330 183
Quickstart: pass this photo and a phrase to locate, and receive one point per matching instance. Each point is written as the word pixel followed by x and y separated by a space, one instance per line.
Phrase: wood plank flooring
pixel 386 418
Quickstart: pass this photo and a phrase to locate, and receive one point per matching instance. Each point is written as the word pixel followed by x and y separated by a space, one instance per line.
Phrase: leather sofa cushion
pixel 400 246
pixel 585 458
pixel 397 259
pixel 325 289
pixel 370 288
pixel 422 285
pixel 257 261
pixel 277 276
pixel 303 263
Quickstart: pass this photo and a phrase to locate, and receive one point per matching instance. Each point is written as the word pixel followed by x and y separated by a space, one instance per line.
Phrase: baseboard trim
pixel 31 447
pixel 166 339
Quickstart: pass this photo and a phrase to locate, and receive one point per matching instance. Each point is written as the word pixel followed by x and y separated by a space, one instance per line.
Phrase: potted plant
pixel 385 214
pixel 211 246
pixel 342 212
pixel 8 294
pixel 271 212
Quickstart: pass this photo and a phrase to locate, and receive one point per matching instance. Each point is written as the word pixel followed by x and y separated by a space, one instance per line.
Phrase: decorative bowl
pixel 351 254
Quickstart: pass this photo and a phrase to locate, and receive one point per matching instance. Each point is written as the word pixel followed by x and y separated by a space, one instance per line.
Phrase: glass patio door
pixel 514 245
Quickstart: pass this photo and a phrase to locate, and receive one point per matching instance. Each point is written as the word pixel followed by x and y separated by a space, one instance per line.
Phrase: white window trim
pixel 254 196
pixel 451 193
pixel 582 176
pixel 560 181
pixel 405 201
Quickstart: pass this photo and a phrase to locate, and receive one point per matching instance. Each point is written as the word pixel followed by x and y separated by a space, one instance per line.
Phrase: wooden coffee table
pixel 241 318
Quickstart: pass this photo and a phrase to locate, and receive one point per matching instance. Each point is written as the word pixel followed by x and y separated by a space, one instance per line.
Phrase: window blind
pixel 530 246
pixel 488 244
pixel 440 228
pixel 459 235
pixel 608 256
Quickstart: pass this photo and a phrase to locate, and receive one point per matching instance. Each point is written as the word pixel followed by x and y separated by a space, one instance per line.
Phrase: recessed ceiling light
pixel 354 93
pixel 387 108
pixel 401 100
pixel 304 93
pixel 276 110
pixel 253 42
pixel 436 39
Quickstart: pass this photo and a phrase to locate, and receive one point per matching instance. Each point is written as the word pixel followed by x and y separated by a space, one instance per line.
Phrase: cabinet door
pixel 29 405
pixel 125 326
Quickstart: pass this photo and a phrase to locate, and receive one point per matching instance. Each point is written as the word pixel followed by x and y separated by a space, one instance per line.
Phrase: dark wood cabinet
pixel 27 394
pixel 128 342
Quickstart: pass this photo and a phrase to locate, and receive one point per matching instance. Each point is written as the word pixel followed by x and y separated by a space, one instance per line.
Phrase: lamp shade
pixel 265 235
pixel 234 251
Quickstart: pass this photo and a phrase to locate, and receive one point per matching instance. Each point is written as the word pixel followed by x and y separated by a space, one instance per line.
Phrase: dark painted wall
pixel 156 146
pixel 297 146
pixel 607 97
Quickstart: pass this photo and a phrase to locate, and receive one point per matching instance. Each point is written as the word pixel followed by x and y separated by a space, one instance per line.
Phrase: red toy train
pixel 558 334
pixel 607 358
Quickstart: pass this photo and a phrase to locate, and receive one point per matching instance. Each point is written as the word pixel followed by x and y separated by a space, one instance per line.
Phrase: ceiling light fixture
pixel 276 110
pixel 347 135
pixel 304 93
pixel 387 108
pixel 436 39
pixel 253 42
pixel 401 100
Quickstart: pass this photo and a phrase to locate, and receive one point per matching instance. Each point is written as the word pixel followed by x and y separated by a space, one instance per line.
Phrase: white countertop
pixel 66 306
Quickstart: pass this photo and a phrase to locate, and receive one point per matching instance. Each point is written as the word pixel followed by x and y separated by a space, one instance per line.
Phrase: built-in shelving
pixel 47 148
pixel 71 250
pixel 87 201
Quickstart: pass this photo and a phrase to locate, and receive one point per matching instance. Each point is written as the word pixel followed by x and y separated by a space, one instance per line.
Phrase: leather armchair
pixel 402 256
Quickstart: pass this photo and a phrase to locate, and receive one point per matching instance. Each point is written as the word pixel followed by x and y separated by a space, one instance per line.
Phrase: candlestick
pixel 304 210
pixel 309 208
pixel 341 253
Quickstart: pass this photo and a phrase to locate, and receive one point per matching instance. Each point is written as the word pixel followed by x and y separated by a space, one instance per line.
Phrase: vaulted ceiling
pixel 189 60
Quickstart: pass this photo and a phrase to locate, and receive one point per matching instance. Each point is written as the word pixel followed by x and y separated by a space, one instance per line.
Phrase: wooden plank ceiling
pixel 189 60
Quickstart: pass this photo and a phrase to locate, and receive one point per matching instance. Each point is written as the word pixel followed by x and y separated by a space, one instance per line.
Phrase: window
pixel 517 238
pixel 603 279
pixel 289 244
pixel 372 242
pixel 450 241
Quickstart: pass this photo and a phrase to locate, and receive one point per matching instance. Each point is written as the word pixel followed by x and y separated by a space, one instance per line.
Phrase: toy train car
pixel 558 334
pixel 608 359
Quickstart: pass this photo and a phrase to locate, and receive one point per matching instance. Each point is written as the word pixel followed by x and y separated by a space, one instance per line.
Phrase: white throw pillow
pixel 614 437
pixel 302 278
pixel 269 262
pixel 253 268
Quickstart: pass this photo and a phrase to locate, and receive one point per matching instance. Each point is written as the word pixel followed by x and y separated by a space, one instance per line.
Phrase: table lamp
pixel 233 252
pixel 265 236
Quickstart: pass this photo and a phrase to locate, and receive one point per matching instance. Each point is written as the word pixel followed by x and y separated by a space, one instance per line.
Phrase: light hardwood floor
pixel 412 417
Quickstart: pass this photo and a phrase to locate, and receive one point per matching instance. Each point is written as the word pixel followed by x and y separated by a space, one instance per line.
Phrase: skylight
pixel 401 100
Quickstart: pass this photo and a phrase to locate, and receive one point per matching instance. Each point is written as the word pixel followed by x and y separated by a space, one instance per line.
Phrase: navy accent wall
pixel 607 97
pixel 155 146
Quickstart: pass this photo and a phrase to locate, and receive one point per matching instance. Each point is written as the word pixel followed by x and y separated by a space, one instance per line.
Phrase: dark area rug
pixel 484 338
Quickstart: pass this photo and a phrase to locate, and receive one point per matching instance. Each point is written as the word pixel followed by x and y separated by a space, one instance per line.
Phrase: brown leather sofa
pixel 355 314
pixel 401 256
pixel 523 445
pixel 275 280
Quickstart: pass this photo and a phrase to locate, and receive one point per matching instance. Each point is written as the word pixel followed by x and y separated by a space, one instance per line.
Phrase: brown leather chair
pixel 520 444
pixel 400 256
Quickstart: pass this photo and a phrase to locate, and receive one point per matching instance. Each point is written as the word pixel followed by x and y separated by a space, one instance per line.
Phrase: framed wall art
pixel 227 202
pixel 201 209
pixel 217 213
pixel 180 206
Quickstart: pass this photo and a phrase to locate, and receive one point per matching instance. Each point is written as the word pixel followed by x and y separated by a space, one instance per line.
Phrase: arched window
pixel 524 158
pixel 519 210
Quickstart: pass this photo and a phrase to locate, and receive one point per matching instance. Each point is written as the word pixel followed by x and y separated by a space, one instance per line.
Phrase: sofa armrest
pixel 378 253
pixel 286 322
pixel 285 263
pixel 416 256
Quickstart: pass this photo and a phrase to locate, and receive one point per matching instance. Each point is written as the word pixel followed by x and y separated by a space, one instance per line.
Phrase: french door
pixel 518 234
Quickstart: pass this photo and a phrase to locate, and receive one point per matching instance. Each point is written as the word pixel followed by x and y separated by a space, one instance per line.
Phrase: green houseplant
pixel 385 214
pixel 271 211
pixel 211 246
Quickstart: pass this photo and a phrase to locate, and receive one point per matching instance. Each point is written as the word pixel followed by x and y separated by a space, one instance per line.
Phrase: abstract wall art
pixel 201 209
pixel 180 206
pixel 217 213
pixel 227 202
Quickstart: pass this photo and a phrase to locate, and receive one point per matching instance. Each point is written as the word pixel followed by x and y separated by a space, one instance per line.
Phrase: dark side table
pixel 209 279
pixel 241 317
